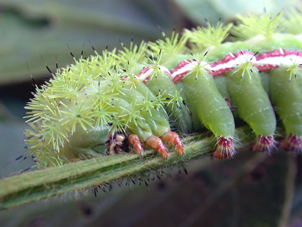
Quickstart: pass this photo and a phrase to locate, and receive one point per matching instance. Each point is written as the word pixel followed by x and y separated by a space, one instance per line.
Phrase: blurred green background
pixel 250 190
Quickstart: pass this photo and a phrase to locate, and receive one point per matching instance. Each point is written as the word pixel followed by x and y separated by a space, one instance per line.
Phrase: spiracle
pixel 148 94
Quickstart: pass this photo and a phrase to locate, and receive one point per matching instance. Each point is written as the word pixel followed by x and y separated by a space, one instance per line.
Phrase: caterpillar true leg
pixel 157 143
pixel 134 140
pixel 173 138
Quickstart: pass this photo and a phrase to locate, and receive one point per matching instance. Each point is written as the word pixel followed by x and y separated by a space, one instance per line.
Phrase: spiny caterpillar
pixel 118 100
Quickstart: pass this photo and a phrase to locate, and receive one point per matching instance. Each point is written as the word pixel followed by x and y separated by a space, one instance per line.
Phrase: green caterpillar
pixel 116 101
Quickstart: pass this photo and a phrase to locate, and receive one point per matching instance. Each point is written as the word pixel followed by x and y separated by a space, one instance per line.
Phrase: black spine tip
pixel 185 170
pixel 18 158
pixel 26 170
pixel 48 69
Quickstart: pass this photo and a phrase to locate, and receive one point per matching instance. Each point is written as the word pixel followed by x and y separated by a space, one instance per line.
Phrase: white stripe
pixel 146 74
pixel 190 67
pixel 291 59
pixel 281 60
pixel 241 59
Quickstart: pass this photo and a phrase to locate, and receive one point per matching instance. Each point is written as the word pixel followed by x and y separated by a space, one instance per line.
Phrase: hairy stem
pixel 40 184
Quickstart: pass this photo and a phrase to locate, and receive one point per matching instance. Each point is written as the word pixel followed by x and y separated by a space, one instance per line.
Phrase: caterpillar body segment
pixel 88 142
pixel 158 79
pixel 293 26
pixel 142 106
pixel 211 108
pixel 287 97
pixel 170 52
pixel 254 107
pixel 247 94
pixel 207 106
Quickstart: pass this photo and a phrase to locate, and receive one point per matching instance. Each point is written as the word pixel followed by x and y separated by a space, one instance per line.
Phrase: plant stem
pixel 40 184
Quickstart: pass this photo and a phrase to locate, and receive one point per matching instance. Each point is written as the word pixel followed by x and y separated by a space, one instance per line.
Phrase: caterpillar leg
pixel 264 143
pixel 134 140
pixel 115 144
pixel 173 138
pixel 292 142
pixel 225 148
pixel 158 144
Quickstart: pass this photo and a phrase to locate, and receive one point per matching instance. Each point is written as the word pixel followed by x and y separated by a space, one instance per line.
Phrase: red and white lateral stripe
pixel 263 62
pixel 186 66
pixel 280 57
pixel 145 74
pixel 230 61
